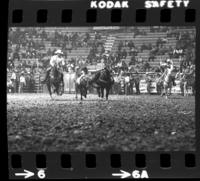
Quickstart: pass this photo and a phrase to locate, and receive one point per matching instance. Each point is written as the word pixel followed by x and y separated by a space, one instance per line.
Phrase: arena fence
pixel 121 86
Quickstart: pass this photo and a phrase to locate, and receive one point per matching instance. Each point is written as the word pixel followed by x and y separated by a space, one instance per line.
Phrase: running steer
pixel 81 82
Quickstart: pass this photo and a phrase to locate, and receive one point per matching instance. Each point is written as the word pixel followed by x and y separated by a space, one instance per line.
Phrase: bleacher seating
pixel 110 39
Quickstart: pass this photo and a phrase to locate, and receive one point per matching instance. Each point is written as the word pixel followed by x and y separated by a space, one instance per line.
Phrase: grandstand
pixel 33 47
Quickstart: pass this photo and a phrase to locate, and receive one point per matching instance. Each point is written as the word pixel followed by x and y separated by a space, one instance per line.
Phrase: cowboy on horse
pixel 56 61
pixel 54 74
pixel 167 78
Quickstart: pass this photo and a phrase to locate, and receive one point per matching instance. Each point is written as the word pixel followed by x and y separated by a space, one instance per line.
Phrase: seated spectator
pixel 161 41
pixel 16 55
pixel 143 47
pixel 133 61
pixel 146 66
pixel 124 54
pixel 139 59
pixel 131 44
pixel 151 57
pixel 149 46
pixel 120 46
pixel 154 50
pixel 133 52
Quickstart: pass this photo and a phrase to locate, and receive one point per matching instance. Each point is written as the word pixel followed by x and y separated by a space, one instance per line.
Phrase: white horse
pixel 166 78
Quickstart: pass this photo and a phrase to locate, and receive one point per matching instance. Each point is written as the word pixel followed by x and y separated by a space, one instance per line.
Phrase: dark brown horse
pixel 102 80
pixel 54 81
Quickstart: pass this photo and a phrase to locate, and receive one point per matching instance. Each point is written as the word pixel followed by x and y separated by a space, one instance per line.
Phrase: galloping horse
pixel 165 83
pixel 102 80
pixel 55 81
pixel 167 78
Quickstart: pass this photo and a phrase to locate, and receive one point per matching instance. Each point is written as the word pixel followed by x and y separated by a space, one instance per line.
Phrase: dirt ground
pixel 124 123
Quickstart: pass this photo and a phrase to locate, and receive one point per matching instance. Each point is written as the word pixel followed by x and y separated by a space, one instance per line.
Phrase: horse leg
pixel 162 91
pixel 76 90
pixel 170 90
pixel 56 90
pixel 185 89
pixel 61 88
pixel 99 93
pixel 165 91
pixel 49 89
pixel 102 92
pixel 107 92
pixel 81 92
pixel 187 93
pixel 182 89
pixel 85 92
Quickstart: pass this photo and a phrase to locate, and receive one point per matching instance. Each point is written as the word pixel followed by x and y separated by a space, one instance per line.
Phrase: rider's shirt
pixel 55 60
pixel 169 70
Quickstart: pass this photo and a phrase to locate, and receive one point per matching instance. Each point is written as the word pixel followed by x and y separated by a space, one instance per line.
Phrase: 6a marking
pixel 134 174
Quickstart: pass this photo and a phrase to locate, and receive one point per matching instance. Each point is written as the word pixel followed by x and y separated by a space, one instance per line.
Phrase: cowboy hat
pixel 58 52
pixel 169 61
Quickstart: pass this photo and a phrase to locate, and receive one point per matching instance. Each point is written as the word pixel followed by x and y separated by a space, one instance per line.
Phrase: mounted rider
pixel 107 68
pixel 167 75
pixel 57 61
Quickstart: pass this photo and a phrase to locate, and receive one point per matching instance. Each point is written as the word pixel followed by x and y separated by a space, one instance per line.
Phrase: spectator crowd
pixel 29 51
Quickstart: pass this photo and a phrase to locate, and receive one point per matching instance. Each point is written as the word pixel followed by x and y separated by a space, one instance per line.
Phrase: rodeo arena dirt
pixel 101 89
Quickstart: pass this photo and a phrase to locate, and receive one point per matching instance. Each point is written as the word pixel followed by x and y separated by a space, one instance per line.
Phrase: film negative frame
pixel 43 13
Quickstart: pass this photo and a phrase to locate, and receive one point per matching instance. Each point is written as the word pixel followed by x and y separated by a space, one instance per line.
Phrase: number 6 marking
pixel 41 174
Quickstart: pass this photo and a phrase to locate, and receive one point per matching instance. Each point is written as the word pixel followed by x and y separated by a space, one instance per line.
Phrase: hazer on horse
pixel 102 80
pixel 166 78
pixel 54 74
